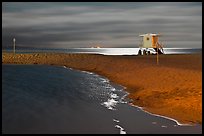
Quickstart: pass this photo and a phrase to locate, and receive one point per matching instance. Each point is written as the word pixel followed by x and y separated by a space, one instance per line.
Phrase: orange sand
pixel 173 88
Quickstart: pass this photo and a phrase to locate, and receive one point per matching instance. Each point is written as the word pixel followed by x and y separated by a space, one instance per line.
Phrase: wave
pixel 110 104
pixel 121 129
pixel 67 67
pixel 179 124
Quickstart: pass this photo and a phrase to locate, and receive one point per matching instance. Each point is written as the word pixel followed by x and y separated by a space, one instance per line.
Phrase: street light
pixel 14 44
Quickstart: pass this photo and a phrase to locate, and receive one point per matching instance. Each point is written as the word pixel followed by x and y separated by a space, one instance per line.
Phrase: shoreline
pixel 76 61
pixel 126 95
pixel 157 115
pixel 131 104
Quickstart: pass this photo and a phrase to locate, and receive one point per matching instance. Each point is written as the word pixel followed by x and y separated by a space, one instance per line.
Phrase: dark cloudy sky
pixel 68 25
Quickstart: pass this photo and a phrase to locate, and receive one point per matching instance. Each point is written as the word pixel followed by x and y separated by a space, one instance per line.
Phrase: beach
pixel 173 88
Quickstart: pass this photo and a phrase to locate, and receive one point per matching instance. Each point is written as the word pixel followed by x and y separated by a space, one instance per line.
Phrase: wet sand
pixel 173 88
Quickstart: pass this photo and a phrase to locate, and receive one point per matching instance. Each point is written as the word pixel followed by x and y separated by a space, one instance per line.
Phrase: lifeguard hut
pixel 150 41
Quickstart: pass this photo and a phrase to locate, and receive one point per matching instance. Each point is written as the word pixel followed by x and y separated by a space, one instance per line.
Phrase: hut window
pixel 147 38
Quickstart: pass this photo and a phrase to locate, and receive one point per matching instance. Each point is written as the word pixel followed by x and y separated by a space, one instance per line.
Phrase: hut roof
pixel 149 34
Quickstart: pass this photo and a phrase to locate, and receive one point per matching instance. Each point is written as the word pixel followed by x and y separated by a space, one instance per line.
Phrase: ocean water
pixel 110 51
pixel 39 99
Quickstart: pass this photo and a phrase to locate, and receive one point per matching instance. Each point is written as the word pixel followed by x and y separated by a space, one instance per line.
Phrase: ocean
pixel 41 99
pixel 108 51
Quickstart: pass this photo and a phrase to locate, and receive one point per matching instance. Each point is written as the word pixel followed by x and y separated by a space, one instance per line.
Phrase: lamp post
pixel 14 44
pixel 157 55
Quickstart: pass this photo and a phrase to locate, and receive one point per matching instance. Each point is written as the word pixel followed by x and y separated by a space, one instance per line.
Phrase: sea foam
pixel 121 129
pixel 110 104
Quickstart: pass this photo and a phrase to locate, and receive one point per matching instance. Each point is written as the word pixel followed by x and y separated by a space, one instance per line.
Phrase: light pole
pixel 157 55
pixel 14 44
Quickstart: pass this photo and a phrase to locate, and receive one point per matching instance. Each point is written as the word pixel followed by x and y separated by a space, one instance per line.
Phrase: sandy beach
pixel 173 88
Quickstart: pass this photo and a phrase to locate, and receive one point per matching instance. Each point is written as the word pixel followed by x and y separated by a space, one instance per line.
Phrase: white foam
pixel 164 126
pixel 108 87
pixel 113 89
pixel 87 72
pixel 179 124
pixel 67 67
pixel 104 80
pixel 123 102
pixel 122 98
pixel 121 129
pixel 114 96
pixel 115 120
pixel 110 104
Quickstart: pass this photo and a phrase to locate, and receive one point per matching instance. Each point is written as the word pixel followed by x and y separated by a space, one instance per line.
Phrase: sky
pixel 108 24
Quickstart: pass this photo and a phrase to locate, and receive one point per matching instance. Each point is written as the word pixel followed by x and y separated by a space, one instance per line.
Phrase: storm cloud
pixel 73 25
